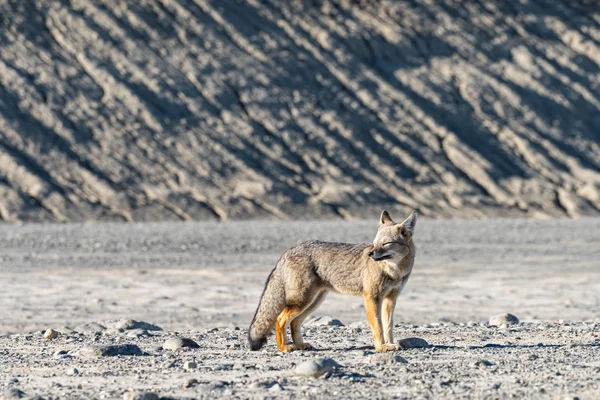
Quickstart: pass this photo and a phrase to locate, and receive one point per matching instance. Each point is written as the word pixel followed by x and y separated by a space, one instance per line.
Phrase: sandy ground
pixel 190 278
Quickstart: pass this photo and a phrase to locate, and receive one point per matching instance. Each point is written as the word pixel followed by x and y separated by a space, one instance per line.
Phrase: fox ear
pixel 385 218
pixel 409 223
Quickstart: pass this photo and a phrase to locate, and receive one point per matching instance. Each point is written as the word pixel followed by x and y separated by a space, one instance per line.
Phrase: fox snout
pixel 376 256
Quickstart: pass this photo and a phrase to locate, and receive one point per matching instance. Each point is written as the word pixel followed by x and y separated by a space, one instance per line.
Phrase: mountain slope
pixel 173 109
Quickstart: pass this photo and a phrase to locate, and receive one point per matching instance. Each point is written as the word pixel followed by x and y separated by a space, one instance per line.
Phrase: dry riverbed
pixel 202 281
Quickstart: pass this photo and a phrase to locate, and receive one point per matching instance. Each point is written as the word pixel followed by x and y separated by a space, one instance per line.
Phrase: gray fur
pixel 305 273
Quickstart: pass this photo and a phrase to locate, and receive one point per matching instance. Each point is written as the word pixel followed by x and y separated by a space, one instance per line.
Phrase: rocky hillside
pixel 175 109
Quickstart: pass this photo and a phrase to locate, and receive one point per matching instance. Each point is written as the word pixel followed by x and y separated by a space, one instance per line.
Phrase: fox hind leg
pixel 296 325
pixel 283 320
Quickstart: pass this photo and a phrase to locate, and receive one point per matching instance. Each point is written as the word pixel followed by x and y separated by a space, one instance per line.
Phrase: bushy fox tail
pixel 272 302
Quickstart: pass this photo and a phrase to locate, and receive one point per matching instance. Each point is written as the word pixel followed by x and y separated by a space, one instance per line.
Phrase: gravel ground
pixel 202 281
pixel 530 360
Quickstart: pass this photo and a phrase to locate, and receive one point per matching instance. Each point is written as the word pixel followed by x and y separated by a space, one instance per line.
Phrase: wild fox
pixel 306 273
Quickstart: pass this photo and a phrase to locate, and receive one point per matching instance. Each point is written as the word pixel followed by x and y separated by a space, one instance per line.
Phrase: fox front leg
pixel 373 308
pixel 387 317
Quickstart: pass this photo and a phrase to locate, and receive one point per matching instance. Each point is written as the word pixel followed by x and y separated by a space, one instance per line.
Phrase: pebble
pixel 12 393
pixel 61 354
pixel 503 320
pixel 189 365
pixel 218 385
pixel 72 372
pixel 482 363
pixel 130 324
pixel 140 396
pixel 110 350
pixel 238 366
pixel 276 388
pixel 413 343
pixel 359 326
pixel 324 321
pixel 178 343
pixel 223 367
pixel 262 384
pixel 387 358
pixel 50 334
pixel 90 328
pixel 136 333
pixel 317 367
pixel 190 383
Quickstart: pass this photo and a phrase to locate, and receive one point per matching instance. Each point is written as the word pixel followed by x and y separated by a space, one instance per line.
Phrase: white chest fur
pixel 398 272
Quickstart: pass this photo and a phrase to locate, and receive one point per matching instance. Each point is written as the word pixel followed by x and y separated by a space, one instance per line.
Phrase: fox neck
pixel 392 268
pixel 397 269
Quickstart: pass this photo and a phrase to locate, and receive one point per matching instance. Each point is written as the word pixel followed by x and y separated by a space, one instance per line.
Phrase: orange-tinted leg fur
pixel 387 317
pixel 288 314
pixel 373 308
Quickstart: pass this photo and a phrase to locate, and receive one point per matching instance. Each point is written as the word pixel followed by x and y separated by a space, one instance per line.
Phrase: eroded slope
pixel 236 109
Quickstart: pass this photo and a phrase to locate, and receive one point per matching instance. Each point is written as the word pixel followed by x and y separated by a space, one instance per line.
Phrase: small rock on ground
pixel 178 343
pixel 129 324
pixel 12 393
pixel 72 372
pixel 50 334
pixel 262 384
pixel 276 388
pixel 387 358
pixel 190 383
pixel 111 350
pixel 136 333
pixel 324 321
pixel 61 354
pixel 482 363
pixel 189 365
pixel 90 328
pixel 317 367
pixel 359 326
pixel 413 343
pixel 503 320
pixel 140 396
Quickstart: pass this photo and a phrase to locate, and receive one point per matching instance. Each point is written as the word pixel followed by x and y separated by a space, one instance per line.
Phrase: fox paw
pixel 288 348
pixel 387 347
pixel 305 346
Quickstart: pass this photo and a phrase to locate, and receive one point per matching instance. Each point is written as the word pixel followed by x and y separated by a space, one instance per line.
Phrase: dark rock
pixel 413 343
pixel 111 350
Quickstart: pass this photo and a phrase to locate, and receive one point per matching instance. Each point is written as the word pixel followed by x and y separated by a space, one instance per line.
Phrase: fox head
pixel 393 241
